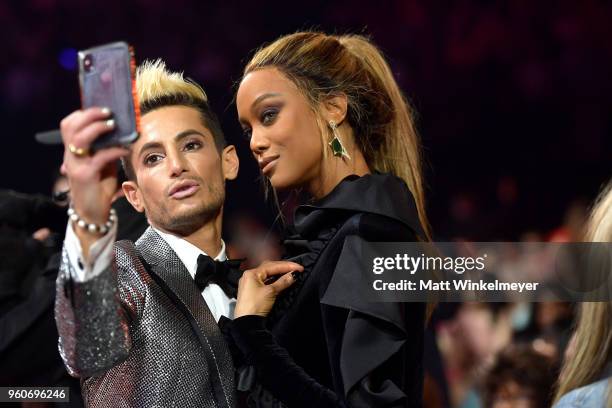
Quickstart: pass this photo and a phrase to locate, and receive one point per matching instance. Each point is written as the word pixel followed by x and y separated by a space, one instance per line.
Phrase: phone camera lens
pixel 88 63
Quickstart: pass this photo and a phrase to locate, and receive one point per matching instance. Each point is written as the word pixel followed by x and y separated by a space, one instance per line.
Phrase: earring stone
pixel 336 144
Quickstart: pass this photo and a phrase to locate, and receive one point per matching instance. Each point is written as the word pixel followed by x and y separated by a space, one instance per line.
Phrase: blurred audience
pixel 549 328
pixel 469 343
pixel 520 378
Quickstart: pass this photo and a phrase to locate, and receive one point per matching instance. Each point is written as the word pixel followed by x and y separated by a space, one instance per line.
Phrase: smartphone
pixel 107 77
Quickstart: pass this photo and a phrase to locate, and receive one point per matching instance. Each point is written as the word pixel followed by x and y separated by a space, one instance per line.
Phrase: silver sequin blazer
pixel 143 339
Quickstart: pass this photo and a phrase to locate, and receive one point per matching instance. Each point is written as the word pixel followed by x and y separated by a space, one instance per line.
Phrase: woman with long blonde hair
pixel 323 113
pixel 586 374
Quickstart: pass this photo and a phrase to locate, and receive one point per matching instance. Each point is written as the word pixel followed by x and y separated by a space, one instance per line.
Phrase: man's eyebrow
pixel 177 138
pixel 186 133
pixel 147 146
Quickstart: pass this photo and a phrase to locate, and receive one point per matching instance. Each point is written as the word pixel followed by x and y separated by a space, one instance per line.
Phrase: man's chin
pixel 188 220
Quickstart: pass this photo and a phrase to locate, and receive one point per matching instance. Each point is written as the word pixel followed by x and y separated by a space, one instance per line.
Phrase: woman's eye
pixel 152 159
pixel 268 116
pixel 247 132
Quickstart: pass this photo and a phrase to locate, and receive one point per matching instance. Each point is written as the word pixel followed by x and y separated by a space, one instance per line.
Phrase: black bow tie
pixel 226 274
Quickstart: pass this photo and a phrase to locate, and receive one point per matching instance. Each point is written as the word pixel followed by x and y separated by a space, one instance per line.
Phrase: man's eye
pixel 268 116
pixel 193 145
pixel 152 159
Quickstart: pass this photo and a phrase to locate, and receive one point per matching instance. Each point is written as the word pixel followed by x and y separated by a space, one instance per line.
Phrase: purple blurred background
pixel 513 98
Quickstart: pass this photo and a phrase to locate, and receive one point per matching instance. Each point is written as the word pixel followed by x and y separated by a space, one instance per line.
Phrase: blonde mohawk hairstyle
pixel 154 81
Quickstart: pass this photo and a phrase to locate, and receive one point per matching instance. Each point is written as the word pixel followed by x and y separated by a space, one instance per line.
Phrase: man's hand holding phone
pixel 92 174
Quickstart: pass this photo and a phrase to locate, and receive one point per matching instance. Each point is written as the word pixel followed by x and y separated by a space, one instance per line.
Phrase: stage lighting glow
pixel 68 59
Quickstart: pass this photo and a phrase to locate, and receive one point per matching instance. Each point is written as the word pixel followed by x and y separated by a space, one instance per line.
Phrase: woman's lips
pixel 267 164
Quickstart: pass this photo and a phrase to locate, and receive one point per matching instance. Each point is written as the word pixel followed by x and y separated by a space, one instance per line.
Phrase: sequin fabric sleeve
pixel 94 317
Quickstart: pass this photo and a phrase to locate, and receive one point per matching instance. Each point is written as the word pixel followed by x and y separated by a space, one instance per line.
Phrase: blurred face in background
pixel 61 191
pixel 513 395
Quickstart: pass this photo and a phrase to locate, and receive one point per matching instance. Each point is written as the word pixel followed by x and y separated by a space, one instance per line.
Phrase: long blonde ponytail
pixel 400 150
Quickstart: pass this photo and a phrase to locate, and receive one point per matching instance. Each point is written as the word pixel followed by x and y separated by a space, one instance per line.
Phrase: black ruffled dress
pixel 323 345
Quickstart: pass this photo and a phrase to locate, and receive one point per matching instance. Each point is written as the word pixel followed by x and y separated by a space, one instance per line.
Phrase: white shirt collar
pixel 187 252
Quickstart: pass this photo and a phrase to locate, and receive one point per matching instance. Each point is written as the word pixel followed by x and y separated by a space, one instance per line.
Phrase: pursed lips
pixel 265 161
pixel 183 189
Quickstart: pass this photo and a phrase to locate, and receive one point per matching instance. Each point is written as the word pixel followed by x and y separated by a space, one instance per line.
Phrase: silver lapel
pixel 167 266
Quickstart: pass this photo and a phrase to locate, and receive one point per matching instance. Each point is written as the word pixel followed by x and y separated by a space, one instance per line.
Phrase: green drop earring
pixel 336 145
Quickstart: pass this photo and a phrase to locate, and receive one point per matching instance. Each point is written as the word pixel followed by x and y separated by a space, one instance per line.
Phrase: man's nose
pixel 176 163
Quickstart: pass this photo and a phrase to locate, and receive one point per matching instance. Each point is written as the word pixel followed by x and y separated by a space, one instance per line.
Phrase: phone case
pixel 107 79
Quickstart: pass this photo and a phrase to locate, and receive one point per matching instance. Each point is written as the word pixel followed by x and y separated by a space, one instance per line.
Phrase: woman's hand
pixel 255 297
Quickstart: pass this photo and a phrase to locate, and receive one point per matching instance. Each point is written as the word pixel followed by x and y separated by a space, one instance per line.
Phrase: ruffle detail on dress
pixel 305 253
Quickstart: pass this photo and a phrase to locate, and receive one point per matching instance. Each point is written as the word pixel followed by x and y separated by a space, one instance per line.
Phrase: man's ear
pixel 229 162
pixel 334 108
pixel 132 193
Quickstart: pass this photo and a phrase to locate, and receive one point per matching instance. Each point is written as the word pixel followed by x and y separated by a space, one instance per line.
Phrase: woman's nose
pixel 259 144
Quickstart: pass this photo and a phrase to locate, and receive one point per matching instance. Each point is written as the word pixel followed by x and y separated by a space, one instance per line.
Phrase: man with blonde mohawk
pixel 138 321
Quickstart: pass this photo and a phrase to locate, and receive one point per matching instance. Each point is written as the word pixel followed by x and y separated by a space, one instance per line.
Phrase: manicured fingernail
pixel 294 275
pixel 110 123
pixel 106 111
